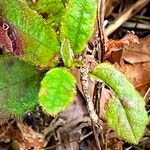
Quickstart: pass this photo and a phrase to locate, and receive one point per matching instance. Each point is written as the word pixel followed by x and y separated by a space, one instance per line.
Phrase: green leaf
pixel 57 90
pixel 19 85
pixel 126 113
pixel 66 52
pixel 51 10
pixel 67 55
pixel 78 23
pixel 39 42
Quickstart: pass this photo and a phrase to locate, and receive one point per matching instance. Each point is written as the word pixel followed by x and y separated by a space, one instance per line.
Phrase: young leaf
pixel 38 42
pixel 19 85
pixel 57 90
pixel 78 23
pixel 126 113
pixel 66 52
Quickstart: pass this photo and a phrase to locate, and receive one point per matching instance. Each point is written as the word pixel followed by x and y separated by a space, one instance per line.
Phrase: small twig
pixel 54 125
pixel 101 50
pixel 136 7
pixel 138 26
pixel 106 141
pixel 85 136
pixel 100 41
pixel 147 95
pixel 142 17
pixel 128 148
pixel 96 137
pixel 85 87
pixel 90 105
pixel 100 22
pixel 71 141
pixel 54 146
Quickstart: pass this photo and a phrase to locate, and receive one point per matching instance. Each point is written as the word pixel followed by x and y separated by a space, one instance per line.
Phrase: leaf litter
pixel 75 123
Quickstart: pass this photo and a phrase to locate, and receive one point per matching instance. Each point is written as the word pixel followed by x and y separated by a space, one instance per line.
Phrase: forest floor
pixel 72 129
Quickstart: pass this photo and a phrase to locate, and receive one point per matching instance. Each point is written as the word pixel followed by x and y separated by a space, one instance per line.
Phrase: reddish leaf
pixel 9 39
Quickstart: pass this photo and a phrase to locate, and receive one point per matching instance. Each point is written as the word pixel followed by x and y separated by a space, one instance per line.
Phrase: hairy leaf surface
pixel 66 53
pixel 126 113
pixel 57 90
pixel 78 23
pixel 19 85
pixel 51 10
pixel 39 42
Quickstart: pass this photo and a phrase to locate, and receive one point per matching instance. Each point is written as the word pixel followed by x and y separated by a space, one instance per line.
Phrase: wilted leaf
pixel 19 85
pixel 38 42
pixel 78 23
pixel 57 90
pixel 130 107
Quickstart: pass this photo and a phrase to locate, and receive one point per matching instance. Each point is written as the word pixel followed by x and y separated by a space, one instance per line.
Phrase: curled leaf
pixel 57 90
pixel 126 113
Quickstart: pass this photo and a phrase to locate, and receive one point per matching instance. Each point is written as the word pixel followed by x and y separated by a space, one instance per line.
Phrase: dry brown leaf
pixel 139 75
pixel 105 96
pixel 31 138
pixel 139 72
pixel 116 47
pixel 112 141
pixel 138 53
pixel 110 5
pixel 8 132
pixel 69 123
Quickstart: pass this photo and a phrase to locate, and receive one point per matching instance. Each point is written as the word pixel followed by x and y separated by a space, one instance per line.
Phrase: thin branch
pixel 90 105
pixel 85 87
pixel 100 22
pixel 132 10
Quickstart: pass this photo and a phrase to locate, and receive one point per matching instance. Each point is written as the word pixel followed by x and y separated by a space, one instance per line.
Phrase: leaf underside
pixel 57 90
pixel 126 113
pixel 19 85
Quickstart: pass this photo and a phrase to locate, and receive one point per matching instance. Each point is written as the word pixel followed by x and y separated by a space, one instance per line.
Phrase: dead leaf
pixel 116 47
pixel 112 141
pixel 139 75
pixel 138 53
pixel 31 138
pixel 110 5
pixel 105 96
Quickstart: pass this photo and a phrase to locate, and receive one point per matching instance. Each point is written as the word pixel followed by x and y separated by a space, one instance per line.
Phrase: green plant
pixel 38 35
